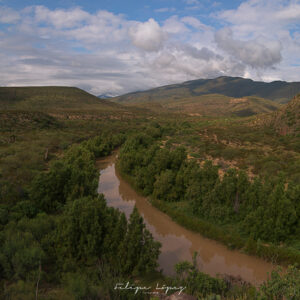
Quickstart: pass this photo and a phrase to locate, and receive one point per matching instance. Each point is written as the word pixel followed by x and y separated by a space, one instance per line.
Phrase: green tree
pixel 282 285
pixel 82 230
pixel 139 251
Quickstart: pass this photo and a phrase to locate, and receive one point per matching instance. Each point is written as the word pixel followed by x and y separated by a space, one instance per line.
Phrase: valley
pixel 213 166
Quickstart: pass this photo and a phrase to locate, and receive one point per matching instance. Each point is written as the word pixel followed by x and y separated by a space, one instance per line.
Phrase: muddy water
pixel 177 242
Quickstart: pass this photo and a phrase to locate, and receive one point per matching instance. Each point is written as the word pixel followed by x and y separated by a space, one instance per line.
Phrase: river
pixel 177 242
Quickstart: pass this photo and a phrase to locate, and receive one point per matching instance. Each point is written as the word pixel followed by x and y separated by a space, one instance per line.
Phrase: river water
pixel 177 242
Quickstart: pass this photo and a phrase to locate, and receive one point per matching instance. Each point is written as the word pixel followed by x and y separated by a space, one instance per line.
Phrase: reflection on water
pixel 177 242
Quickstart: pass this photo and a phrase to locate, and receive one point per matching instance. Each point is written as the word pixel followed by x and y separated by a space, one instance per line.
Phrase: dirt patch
pixel 238 100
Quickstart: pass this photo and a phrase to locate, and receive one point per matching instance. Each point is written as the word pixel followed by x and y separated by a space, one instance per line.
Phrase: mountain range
pixel 222 96
pixel 237 87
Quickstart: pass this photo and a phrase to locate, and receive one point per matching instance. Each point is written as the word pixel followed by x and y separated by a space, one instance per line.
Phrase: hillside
pixel 213 105
pixel 236 87
pixel 52 99
pixel 13 120
pixel 222 106
pixel 287 119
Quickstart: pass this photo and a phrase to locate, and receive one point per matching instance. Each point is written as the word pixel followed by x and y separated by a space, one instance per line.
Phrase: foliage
pixel 282 285
pixel 196 282
pixel 264 210
pixel 61 228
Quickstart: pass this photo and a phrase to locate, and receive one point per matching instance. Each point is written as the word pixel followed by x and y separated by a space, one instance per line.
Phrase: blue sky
pixel 138 10
pixel 120 46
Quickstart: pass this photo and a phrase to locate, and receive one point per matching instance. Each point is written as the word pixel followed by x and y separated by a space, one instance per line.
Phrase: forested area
pixel 59 233
pixel 264 215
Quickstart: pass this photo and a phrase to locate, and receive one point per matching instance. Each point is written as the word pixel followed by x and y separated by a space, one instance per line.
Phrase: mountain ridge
pixel 237 87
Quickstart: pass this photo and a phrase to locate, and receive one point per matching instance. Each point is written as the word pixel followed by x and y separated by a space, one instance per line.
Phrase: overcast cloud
pixel 104 52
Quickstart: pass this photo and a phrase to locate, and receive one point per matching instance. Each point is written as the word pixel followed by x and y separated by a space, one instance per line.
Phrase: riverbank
pixel 257 217
pixel 276 255
pixel 178 243
pixel 271 253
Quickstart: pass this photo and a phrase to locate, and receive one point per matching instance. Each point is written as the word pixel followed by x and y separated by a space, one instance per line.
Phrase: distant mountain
pixel 105 96
pixel 236 87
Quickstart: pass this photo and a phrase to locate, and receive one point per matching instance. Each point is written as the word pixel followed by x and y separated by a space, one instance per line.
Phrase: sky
pixel 117 46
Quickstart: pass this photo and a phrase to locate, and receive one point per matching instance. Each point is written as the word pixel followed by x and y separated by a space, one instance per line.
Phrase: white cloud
pixel 290 13
pixel 254 17
pixel 194 22
pixel 174 25
pixel 60 18
pixel 148 36
pixel 266 29
pixel 104 52
pixel 165 9
pixel 191 2
pixel 258 53
pixel 8 15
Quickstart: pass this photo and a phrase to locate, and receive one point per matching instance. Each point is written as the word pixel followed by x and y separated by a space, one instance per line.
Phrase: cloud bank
pixel 104 52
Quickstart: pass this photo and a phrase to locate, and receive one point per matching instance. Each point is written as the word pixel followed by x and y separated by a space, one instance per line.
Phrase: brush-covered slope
pixel 12 120
pixel 52 99
pixel 279 91
pixel 287 119
pixel 219 105
pixel 214 105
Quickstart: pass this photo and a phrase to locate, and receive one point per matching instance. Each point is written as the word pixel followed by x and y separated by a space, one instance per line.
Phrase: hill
pixel 52 98
pixel 236 87
pixel 287 119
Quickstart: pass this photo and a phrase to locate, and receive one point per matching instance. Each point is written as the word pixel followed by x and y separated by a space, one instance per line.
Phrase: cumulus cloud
pixel 255 53
pixel 183 62
pixel 148 36
pixel 203 53
pixel 268 17
pixel 268 23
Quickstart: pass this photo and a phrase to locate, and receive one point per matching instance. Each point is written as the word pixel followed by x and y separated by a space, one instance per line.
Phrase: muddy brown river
pixel 177 242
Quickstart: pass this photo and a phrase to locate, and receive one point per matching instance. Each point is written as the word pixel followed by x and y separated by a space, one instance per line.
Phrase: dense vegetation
pixel 278 286
pixel 258 211
pixel 59 231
